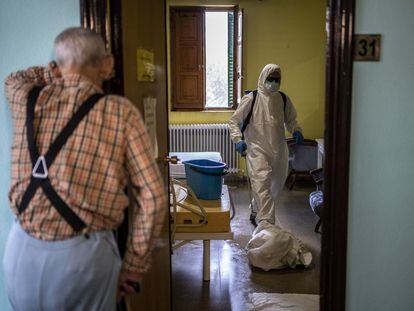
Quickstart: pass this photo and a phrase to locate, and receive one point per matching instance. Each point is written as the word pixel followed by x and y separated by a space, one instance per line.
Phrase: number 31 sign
pixel 367 47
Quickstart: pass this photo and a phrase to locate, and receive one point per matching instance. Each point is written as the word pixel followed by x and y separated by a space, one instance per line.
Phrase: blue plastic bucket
pixel 205 177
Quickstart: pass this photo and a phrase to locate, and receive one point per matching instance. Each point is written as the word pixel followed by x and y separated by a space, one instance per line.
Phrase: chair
pixel 303 158
pixel 316 197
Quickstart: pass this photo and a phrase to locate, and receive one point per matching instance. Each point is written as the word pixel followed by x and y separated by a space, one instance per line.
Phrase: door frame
pixel 339 68
pixel 105 17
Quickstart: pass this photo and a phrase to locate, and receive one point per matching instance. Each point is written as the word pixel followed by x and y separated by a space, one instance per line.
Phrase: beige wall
pixel 290 33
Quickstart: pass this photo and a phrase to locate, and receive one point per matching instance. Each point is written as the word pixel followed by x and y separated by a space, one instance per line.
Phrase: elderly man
pixel 74 152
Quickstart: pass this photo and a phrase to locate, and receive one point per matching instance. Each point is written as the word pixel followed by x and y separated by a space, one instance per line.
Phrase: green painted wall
pixel 291 34
pixel 381 208
pixel 27 31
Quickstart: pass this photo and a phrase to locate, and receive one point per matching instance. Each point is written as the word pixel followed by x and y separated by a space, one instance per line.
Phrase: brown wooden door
pixel 144 27
pixel 140 24
pixel 187 55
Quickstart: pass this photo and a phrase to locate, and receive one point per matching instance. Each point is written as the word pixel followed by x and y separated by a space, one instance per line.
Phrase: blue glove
pixel 298 136
pixel 241 147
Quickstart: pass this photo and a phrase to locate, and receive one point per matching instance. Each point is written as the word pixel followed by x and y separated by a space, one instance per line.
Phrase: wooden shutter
pixel 232 73
pixel 239 54
pixel 187 58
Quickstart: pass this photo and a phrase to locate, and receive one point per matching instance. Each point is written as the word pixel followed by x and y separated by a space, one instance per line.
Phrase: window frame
pixel 213 8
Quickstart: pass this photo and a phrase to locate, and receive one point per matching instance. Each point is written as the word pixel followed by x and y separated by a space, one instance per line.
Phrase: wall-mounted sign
pixel 367 47
pixel 145 65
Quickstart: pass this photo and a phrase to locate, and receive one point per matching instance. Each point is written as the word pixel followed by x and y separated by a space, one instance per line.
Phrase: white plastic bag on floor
pixel 274 248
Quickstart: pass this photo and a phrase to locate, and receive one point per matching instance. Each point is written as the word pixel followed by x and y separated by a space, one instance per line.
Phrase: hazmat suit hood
pixel 266 72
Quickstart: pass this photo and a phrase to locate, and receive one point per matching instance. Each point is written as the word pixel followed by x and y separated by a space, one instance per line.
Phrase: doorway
pixel 243 38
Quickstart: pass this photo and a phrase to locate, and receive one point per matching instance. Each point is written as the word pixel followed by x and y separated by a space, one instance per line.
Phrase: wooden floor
pixel 232 279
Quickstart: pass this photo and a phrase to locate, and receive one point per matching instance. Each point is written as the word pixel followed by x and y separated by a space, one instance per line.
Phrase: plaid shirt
pixel 109 150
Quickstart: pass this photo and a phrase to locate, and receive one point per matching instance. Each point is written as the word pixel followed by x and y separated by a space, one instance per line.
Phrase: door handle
pixel 166 160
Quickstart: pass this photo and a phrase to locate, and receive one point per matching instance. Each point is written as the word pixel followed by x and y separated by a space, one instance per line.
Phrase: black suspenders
pixel 41 163
pixel 249 115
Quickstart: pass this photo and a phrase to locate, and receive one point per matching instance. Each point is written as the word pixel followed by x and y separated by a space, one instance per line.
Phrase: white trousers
pixel 267 175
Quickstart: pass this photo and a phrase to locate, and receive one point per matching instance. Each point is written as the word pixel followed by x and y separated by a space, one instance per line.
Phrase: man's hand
pixel 128 283
pixel 53 67
pixel 299 137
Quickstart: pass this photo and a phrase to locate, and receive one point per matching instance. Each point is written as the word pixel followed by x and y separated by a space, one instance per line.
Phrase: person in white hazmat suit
pixel 267 152
pixel 263 142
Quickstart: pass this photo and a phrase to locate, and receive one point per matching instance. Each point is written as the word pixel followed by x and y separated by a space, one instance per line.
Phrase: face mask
pixel 272 87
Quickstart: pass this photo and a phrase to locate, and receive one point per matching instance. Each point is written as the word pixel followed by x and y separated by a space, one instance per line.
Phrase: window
pixel 218 54
pixel 205 61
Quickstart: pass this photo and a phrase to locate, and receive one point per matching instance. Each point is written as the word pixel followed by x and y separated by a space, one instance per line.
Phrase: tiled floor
pixel 232 279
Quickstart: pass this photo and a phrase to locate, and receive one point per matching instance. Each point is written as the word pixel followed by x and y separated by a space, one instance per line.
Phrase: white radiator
pixel 204 138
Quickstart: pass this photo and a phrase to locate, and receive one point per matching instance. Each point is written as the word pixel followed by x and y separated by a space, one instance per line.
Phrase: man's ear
pixel 107 67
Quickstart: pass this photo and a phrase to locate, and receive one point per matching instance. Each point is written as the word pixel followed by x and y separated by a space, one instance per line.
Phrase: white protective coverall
pixel 267 152
pixel 270 247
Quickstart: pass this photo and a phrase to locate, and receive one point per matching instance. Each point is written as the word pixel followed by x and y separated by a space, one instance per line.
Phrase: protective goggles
pixel 273 79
